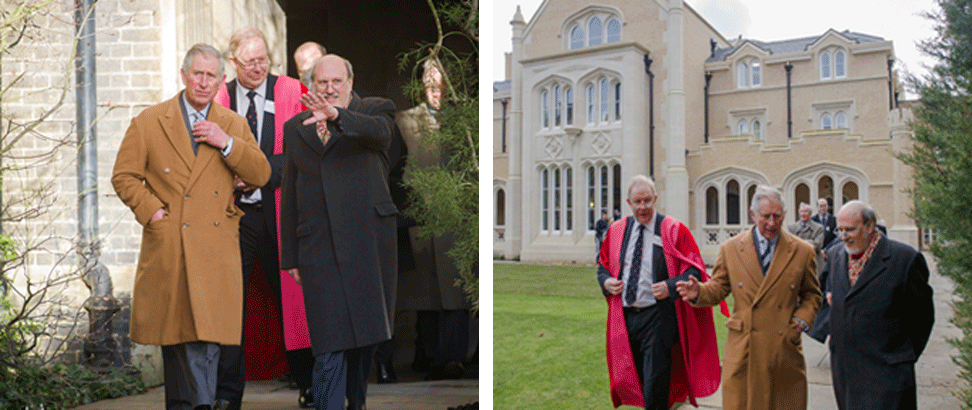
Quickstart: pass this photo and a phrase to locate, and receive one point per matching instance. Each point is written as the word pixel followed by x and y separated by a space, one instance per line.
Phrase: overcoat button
pixel 216 223
pixel 215 193
pixel 781 333
pixel 185 225
pixel 165 170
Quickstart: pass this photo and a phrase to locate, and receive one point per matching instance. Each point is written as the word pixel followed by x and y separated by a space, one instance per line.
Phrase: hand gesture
pixel 210 133
pixel 613 286
pixel 321 109
pixel 689 291
pixel 660 290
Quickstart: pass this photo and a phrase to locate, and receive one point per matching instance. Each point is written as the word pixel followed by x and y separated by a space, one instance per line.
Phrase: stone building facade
pixel 598 93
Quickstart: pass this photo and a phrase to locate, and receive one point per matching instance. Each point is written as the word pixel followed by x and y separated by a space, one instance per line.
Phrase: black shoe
pixel 386 374
pixel 221 404
pixel 305 399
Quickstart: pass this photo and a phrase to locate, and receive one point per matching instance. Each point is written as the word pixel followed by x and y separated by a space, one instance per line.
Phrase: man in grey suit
pixel 337 224
pixel 813 233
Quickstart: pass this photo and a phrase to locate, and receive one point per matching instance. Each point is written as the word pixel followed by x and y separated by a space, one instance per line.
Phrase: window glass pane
pixel 556 199
pixel 824 65
pixel 604 186
pixel 545 108
pixel 617 187
pixel 841 119
pixel 743 127
pixel 742 75
pixel 613 31
pixel 732 202
pixel 826 122
pixel 558 105
pixel 594 31
pixel 568 200
pixel 591 198
pixel 711 206
pixel 757 130
pixel 576 38
pixel 839 69
pixel 757 74
pixel 500 207
pixel 590 104
pixel 617 101
pixel 604 100
pixel 569 98
pixel 544 200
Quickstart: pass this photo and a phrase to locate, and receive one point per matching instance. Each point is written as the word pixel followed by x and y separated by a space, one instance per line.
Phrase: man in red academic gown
pixel 659 349
pixel 267 102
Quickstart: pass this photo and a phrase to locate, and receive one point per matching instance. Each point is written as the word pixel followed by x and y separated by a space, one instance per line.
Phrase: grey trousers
pixel 190 374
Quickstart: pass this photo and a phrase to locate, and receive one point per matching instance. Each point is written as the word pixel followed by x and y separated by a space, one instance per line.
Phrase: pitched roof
pixel 788 46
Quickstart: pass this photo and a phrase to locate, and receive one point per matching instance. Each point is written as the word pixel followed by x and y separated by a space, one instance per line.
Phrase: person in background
pixel 266 101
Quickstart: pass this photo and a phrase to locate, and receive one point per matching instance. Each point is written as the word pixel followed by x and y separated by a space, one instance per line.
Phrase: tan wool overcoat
pixel 188 285
pixel 763 366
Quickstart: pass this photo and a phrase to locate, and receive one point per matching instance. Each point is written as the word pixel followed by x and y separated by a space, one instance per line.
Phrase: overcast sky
pixel 770 20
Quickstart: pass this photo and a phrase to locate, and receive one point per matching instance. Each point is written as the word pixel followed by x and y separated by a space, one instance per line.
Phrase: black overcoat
pixel 337 224
pixel 879 326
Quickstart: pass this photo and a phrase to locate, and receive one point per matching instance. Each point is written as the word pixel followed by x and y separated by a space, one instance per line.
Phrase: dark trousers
pixel 359 368
pixel 652 332
pixel 257 243
pixel 190 374
pixel 330 380
pixel 442 337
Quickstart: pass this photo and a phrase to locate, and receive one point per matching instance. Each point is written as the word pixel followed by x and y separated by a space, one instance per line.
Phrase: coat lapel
pixel 207 153
pixel 748 257
pixel 877 265
pixel 175 131
pixel 309 134
pixel 785 249
pixel 628 223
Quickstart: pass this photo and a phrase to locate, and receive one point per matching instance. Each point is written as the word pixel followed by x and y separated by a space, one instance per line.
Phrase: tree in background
pixel 445 198
pixel 942 162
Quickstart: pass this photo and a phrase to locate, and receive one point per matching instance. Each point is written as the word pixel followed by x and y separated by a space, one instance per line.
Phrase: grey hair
pixel 804 205
pixel 641 179
pixel 867 211
pixel 202 48
pixel 313 70
pixel 244 34
pixel 765 192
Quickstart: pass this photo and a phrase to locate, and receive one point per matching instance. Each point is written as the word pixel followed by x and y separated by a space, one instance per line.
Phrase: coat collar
pixel 877 265
pixel 785 249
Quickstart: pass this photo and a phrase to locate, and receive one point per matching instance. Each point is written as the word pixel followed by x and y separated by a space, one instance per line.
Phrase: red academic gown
pixel 695 359
pixel 265 354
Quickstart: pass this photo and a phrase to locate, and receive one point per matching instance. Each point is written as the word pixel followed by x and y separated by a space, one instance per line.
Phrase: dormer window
pixel 749 73
pixel 613 31
pixel 595 31
pixel 576 37
pixel 833 64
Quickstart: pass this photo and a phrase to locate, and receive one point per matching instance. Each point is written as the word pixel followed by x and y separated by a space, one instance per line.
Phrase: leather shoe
pixel 221 404
pixel 306 398
pixel 386 374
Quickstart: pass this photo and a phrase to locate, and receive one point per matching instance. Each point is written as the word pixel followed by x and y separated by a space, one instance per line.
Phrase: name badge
pixel 268 107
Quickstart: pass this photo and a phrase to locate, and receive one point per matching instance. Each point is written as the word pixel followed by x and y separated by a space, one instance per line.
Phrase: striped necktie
pixel 765 256
pixel 634 274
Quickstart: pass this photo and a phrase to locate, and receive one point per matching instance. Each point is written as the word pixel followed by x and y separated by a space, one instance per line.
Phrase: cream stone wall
pixel 801 164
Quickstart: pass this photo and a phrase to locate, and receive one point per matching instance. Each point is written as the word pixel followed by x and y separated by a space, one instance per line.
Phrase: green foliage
pixel 61 386
pixel 942 162
pixel 548 338
pixel 445 198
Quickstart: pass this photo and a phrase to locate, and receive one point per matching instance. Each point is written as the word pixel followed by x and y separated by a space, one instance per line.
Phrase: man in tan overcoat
pixel 772 277
pixel 175 169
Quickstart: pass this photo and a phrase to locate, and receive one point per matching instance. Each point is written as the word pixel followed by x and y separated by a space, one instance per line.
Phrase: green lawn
pixel 548 338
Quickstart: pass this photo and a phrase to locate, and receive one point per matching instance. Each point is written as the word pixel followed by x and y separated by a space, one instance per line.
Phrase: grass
pixel 548 338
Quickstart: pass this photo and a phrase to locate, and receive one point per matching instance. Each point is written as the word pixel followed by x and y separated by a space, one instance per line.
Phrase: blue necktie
pixel 631 293
pixel 765 257
pixel 251 116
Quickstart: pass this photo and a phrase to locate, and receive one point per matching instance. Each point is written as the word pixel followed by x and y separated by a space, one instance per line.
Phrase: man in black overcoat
pixel 881 314
pixel 337 223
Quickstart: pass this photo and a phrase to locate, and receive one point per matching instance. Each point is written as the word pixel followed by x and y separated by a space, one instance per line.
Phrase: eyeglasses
pixel 249 65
